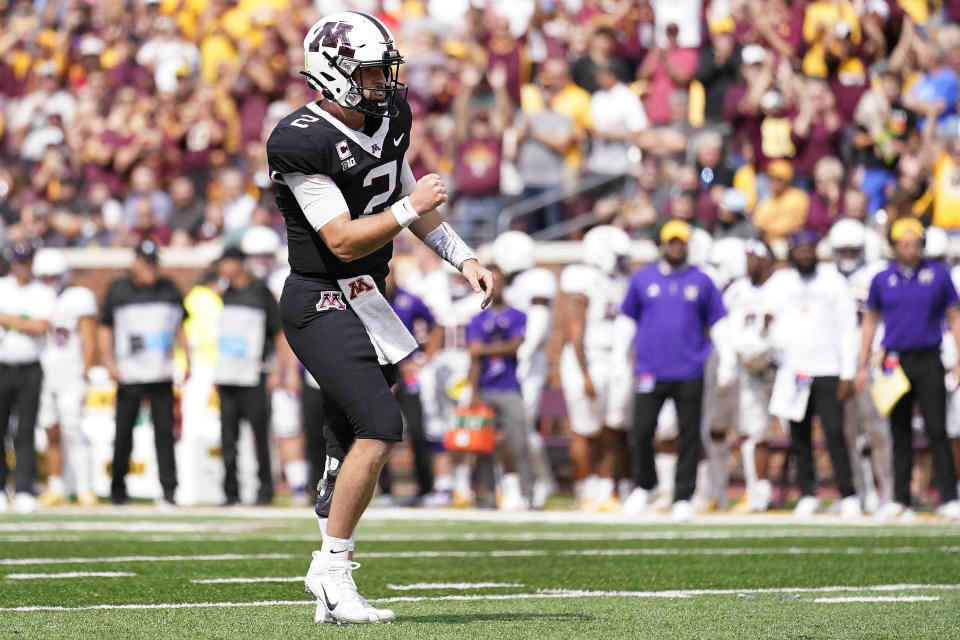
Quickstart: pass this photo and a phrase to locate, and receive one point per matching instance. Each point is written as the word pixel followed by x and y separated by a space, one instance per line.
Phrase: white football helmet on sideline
pixel 50 263
pixel 848 239
pixel 728 259
pixel 259 241
pixel 337 46
pixel 607 248
pixel 936 244
pixel 513 252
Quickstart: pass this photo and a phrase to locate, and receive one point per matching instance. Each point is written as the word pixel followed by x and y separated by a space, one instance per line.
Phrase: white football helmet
pixel 259 241
pixel 337 46
pixel 513 252
pixel 607 248
pixel 51 263
pixel 936 244
pixel 728 257
pixel 848 238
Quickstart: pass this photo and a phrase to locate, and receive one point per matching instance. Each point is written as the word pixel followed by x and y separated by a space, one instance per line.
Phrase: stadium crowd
pixel 732 127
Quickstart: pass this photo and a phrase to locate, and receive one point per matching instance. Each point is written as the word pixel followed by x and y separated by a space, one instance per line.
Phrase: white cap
pixel 753 54
pixel 91 46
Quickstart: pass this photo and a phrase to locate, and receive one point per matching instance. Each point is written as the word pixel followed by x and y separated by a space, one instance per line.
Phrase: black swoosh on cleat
pixel 330 607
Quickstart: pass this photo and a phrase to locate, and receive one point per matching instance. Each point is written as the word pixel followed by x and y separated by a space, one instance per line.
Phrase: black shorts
pixel 334 347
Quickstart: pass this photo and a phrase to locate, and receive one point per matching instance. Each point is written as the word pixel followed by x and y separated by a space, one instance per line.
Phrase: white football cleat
pixel 336 593
pixel 759 499
pixel 682 511
pixel 24 502
pixel 806 506
pixel 637 502
pixel 541 491
pixel 950 510
pixel 890 511
pixel 850 508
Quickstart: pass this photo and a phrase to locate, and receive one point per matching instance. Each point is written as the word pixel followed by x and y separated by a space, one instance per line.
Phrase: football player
pixel 868 433
pixel 597 387
pixel 66 359
pixel 532 290
pixel 345 191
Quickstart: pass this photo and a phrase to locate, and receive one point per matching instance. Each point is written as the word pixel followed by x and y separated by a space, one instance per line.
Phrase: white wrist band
pixel 404 212
pixel 448 245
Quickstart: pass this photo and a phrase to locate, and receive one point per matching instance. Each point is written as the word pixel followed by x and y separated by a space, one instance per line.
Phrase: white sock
pixel 443 483
pixel 55 485
pixel 323 532
pixel 590 487
pixel 335 549
pixel 625 487
pixel 510 483
pixel 747 450
pixel 603 489
pixel 296 472
pixel 578 490
pixel 718 454
pixel 461 479
pixel 666 464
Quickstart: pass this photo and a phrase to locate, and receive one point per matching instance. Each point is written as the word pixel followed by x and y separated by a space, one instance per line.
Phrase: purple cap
pixel 804 238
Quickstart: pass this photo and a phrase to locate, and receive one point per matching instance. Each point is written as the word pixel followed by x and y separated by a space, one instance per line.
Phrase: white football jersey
pixel 948 346
pixel 860 281
pixel 746 308
pixel 63 354
pixel 604 295
pixel 530 285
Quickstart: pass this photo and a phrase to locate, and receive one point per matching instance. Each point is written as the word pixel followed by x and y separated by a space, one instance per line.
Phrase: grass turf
pixel 785 557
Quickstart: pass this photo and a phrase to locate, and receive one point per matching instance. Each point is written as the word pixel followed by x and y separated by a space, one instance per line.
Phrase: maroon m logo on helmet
pixel 334 34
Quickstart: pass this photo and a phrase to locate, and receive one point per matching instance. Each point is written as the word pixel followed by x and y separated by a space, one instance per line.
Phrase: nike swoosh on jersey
pixel 396 141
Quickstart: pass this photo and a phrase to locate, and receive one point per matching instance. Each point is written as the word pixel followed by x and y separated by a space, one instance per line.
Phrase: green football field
pixel 448 574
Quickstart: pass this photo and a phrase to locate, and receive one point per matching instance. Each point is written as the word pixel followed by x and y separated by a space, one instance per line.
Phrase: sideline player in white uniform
pixel 597 386
pixel 530 289
pixel 284 382
pixel 867 433
pixel 66 359
pixel 936 246
pixel 746 330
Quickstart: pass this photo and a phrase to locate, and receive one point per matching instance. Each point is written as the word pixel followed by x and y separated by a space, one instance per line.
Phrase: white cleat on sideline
pixel 24 502
pixel 850 508
pixel 806 507
pixel 682 511
pixel 950 510
pixel 337 597
pixel 637 502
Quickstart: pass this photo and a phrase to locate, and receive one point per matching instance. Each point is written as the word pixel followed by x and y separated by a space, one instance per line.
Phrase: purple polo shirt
pixel 674 311
pixel 496 372
pixel 912 305
pixel 410 309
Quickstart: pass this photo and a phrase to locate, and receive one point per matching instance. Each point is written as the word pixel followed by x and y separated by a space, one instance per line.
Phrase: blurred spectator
pixel 946 187
pixel 145 226
pixel 479 151
pixel 599 55
pixel 566 98
pixel 815 130
pixel 826 202
pixel 238 205
pixel 732 219
pixel 186 216
pixel 668 69
pixel 617 116
pixel 785 211
pixel 144 184
pixel 543 138
pixel 825 22
pixel 167 54
pixel 717 72
pixel 935 92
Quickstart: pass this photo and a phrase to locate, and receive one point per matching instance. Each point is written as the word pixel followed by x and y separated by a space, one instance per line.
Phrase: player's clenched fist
pixel 428 194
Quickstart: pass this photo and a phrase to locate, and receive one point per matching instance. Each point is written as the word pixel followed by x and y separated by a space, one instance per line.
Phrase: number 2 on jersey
pixel 390 171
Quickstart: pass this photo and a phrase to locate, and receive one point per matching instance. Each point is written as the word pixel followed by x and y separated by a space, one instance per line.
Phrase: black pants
pixel 412 410
pixel 161 413
pixel 688 396
pixel 312 403
pixel 236 404
pixel 823 402
pixel 20 387
pixel 924 370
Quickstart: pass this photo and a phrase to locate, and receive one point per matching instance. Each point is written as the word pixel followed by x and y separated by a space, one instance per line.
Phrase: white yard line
pixel 542 594
pixel 246 580
pixel 453 585
pixel 71 574
pixel 509 553
pixel 878 599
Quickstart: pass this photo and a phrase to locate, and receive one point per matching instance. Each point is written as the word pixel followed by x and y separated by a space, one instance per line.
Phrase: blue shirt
pixel 497 373
pixel 937 85
pixel 673 310
pixel 912 304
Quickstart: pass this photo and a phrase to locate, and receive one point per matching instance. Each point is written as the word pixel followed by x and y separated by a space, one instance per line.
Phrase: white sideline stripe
pixel 879 599
pixel 514 553
pixel 125 526
pixel 246 580
pixel 542 594
pixel 106 559
pixel 71 574
pixel 452 585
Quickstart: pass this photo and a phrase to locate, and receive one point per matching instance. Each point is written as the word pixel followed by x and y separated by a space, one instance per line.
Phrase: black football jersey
pixel 365 165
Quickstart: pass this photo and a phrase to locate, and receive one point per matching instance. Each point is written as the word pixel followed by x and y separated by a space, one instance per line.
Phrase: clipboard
pixel 790 395
pixel 887 388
